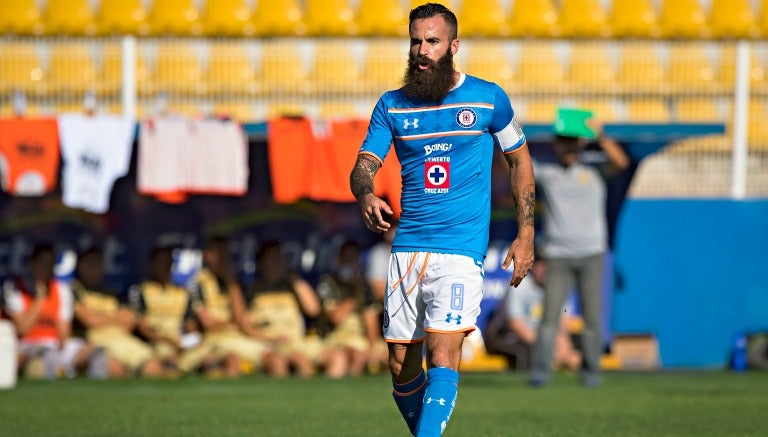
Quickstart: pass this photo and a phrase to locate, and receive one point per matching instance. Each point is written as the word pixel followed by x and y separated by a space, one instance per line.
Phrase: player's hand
pixel 373 210
pixel 521 255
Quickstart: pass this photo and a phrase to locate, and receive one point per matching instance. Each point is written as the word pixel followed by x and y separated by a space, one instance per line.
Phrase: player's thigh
pixel 403 303
pixel 452 292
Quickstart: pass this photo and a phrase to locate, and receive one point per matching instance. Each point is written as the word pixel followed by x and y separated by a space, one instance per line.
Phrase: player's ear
pixel 454 47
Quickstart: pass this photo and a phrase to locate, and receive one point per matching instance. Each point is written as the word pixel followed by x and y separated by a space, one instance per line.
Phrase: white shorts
pixel 431 292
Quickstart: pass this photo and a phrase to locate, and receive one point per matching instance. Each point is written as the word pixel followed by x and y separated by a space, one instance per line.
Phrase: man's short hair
pixel 429 10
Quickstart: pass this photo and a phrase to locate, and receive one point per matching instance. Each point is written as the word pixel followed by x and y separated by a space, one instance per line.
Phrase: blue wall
pixel 693 272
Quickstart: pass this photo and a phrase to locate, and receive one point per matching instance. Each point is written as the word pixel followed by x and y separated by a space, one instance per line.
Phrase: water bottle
pixel 8 355
pixel 739 354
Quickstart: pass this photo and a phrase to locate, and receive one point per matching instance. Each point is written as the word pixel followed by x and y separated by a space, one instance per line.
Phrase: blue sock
pixel 439 400
pixel 408 397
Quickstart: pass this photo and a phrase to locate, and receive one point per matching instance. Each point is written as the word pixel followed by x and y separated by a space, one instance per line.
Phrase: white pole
pixel 129 76
pixel 740 121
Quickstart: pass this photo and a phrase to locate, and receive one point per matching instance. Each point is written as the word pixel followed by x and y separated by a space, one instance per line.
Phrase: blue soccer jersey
pixel 445 153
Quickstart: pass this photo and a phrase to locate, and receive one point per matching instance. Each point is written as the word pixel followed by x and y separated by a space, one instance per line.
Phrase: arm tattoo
pixel 525 199
pixel 361 178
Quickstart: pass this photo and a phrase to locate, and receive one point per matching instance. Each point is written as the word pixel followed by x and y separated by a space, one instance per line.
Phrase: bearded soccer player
pixel 444 125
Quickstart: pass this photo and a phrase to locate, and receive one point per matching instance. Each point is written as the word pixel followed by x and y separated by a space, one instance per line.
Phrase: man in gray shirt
pixel 575 238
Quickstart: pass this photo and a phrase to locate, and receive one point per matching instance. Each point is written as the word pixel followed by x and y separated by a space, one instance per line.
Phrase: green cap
pixel 572 122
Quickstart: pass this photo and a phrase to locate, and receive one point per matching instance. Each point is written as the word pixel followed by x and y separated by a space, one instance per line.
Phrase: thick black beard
pixel 431 85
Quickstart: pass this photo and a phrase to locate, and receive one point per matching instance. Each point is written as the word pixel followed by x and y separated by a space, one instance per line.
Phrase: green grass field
pixel 706 403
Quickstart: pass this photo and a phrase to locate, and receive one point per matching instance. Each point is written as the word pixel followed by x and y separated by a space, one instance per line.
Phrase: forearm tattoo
pixel 361 178
pixel 525 200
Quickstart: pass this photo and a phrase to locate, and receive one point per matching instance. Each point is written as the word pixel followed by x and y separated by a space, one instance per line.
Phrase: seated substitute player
pixel 40 307
pixel 444 126
pixel 108 322
pixel 345 297
pixel 165 313
pixel 278 304
pixel 219 301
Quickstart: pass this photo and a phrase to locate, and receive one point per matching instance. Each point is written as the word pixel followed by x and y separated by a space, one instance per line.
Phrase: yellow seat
pixel 231 70
pixel 334 69
pixel 732 19
pixel 591 68
pixel 381 18
pixel 178 70
pixel 538 111
pixel 757 132
pixel 683 19
pixel 690 69
pixel 648 111
pixel 21 69
pixel 241 112
pixel 639 69
pixel 283 69
pixel 583 18
pixel 286 109
pixel 227 18
pixel 450 4
pixel 21 17
pixel 634 19
pixel 174 17
pixel 726 78
pixel 73 68
pixel 69 17
pixel 332 110
pixel 384 63
pixel 603 109
pixel 533 18
pixel 482 18
pixel 538 68
pixel 698 110
pixel 489 60
pixel 122 17
pixel 279 18
pixel 111 77
pixel 762 20
pixel 329 18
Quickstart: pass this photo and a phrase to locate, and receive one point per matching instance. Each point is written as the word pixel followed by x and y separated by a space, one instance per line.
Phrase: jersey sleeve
pixel 508 133
pixel 379 137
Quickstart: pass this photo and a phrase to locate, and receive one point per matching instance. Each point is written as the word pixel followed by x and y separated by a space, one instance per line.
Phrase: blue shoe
pixel 537 382
pixel 590 381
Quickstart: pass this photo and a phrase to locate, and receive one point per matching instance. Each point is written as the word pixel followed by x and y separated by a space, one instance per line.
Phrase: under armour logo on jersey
pixel 449 318
pixel 440 401
pixel 414 124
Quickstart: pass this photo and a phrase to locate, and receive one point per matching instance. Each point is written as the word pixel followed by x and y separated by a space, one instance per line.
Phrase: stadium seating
pixel 683 19
pixel 334 69
pixel 758 131
pixel 603 109
pixel 174 17
pixel 21 17
pixel 634 19
pixel 690 69
pixel 227 18
pixel 533 18
pixel 489 59
pixel 732 19
pixel 278 18
pixel 639 69
pixel 384 63
pixel 762 20
pixel 331 110
pixel 591 68
pixel 230 70
pixel 112 71
pixel 283 69
pixel 69 17
pixel 72 68
pixel 381 18
pixel 582 18
pixel 538 67
pixel 538 111
pixel 177 69
pixel 726 78
pixel 697 110
pixel 648 110
pixel 329 18
pixel 21 69
pixel 241 112
pixel 122 17
pixel 482 18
